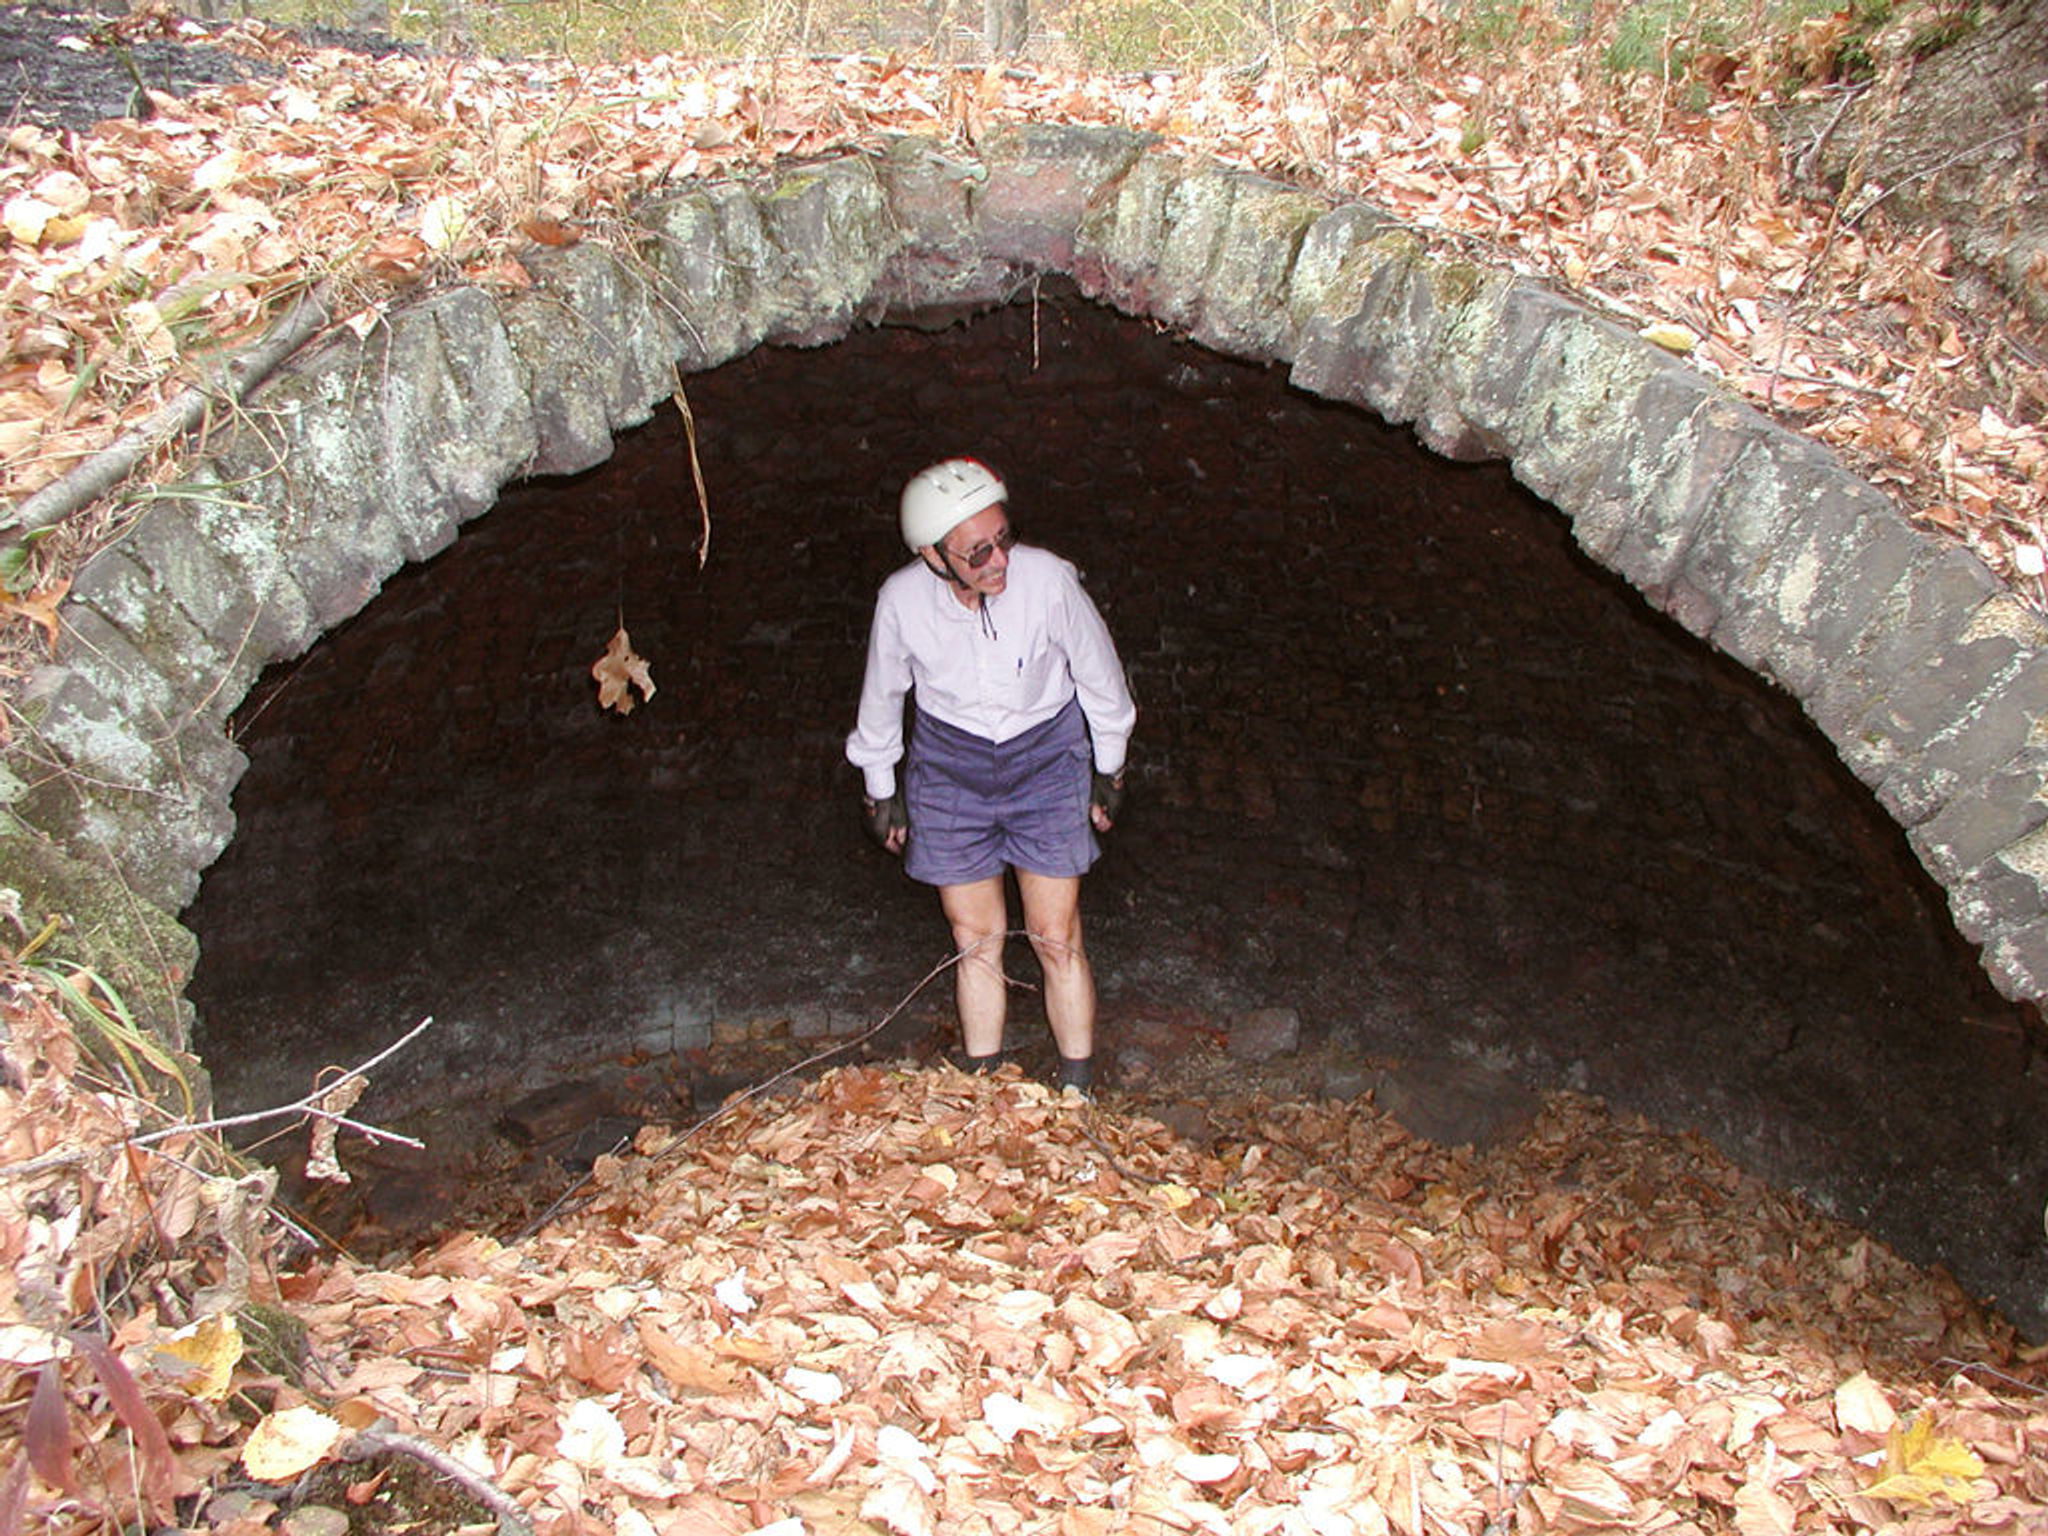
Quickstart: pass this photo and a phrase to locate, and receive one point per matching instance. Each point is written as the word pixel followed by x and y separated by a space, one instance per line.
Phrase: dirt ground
pixel 72 69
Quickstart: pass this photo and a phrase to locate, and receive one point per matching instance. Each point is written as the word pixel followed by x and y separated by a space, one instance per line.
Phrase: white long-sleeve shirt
pixel 1043 644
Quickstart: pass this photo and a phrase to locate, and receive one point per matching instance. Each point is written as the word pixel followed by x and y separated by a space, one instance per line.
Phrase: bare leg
pixel 980 918
pixel 1052 917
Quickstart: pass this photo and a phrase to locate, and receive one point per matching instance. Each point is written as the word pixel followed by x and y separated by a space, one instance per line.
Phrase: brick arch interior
pixel 369 456
pixel 1411 764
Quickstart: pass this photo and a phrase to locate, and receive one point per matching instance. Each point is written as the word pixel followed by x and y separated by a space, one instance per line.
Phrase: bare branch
pixel 310 1105
pixel 108 468
pixel 378 1440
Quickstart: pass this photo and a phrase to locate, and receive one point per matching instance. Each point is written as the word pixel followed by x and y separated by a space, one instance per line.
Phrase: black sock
pixel 981 1066
pixel 1077 1072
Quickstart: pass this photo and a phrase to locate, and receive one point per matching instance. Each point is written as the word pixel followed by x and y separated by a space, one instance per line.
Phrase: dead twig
pixel 1996 1374
pixel 1856 217
pixel 1806 165
pixel 313 1105
pixel 682 401
pixel 1117 1165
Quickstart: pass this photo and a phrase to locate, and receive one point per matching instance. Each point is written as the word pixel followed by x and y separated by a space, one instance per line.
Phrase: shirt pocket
pixel 1037 678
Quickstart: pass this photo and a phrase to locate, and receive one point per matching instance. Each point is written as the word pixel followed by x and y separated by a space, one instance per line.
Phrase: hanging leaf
pixel 618 671
pixel 321 1162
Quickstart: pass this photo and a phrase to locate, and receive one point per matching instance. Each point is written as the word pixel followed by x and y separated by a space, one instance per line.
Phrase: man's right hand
pixel 887 822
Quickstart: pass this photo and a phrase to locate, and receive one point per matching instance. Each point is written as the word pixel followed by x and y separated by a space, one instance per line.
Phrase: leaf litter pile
pixel 914 1301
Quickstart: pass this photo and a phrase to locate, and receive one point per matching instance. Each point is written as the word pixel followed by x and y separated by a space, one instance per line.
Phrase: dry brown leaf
pixel 618 671
pixel 39 608
pixel 1288 1369
pixel 1861 1406
pixel 688 1367
pixel 1593 1491
pixel 1762 1511
pixel 898 1502
pixel 321 1161
pixel 601 1361
pixel 551 232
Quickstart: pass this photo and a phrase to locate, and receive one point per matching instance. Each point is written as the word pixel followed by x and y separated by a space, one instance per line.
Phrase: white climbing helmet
pixel 939 499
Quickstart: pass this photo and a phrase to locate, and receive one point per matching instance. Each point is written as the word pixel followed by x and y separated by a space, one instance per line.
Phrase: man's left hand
pixel 1105 799
pixel 887 822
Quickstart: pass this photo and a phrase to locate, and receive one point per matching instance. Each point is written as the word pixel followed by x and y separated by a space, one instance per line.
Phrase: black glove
pixel 885 816
pixel 1108 793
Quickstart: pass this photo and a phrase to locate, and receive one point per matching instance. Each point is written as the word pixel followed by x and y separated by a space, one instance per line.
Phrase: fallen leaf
pixel 46 1433
pixel 1862 1407
pixel 25 218
pixel 1671 336
pixel 1593 1489
pixel 549 232
pixel 592 1436
pixel 1921 1467
pixel 145 326
pixel 899 1503
pixel 201 1359
pixel 289 1442
pixel 1762 1511
pixel 445 224
pixel 688 1367
pixel 732 1290
pixel 39 608
pixel 602 1361
pixel 399 258
pixel 820 1388
pixel 161 1476
pixel 217 171
pixel 64 191
pixel 1213 1467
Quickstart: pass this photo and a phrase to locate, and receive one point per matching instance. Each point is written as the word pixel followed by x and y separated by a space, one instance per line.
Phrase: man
pixel 1016 754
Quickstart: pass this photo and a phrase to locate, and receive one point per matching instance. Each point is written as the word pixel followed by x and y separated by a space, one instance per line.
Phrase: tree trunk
pixel 1006 24
pixel 1964 142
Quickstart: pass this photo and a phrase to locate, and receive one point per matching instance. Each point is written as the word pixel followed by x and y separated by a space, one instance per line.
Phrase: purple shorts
pixel 976 807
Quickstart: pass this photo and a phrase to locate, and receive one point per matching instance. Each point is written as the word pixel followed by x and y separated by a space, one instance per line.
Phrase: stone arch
pixel 371 451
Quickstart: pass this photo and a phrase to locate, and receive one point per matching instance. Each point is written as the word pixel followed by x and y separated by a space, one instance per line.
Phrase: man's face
pixel 985 537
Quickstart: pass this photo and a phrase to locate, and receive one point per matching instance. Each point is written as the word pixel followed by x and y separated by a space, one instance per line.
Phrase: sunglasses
pixel 984 552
